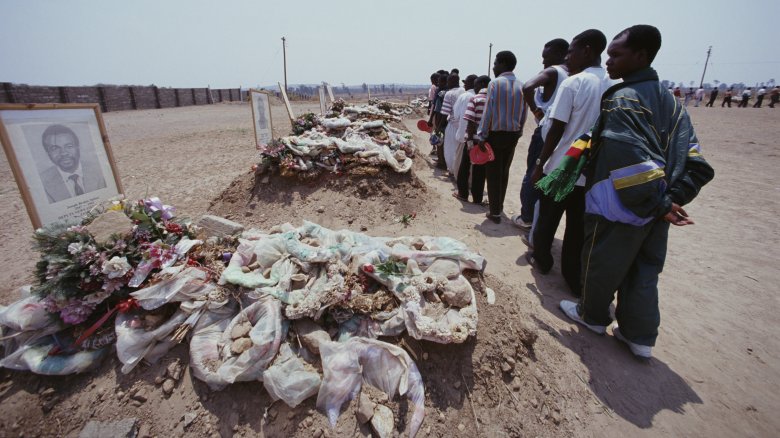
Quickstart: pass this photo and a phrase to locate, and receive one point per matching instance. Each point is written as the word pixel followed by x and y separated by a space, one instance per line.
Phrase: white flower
pixel 116 267
pixel 75 248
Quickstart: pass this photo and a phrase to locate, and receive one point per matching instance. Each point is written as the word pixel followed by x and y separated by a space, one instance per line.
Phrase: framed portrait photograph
pixel 261 117
pixel 323 105
pixel 286 101
pixel 61 159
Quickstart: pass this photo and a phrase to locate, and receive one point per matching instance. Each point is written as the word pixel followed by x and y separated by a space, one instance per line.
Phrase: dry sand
pixel 715 373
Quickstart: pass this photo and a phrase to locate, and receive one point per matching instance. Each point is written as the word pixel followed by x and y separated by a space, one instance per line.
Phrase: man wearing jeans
pixel 501 127
pixel 539 93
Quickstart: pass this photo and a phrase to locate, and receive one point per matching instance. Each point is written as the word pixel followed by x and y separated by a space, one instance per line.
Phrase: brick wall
pixel 116 97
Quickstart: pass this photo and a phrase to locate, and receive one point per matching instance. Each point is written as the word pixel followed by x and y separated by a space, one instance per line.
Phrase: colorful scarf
pixel 561 181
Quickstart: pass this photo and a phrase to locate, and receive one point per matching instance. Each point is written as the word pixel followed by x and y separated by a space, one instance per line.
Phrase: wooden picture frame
pixel 286 101
pixel 61 180
pixel 323 104
pixel 262 122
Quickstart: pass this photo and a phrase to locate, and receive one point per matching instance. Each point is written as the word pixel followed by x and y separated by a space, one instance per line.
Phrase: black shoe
pixel 495 219
pixel 529 257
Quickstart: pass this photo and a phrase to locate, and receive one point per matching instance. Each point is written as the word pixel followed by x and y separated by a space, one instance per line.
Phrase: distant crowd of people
pixel 744 97
pixel 593 156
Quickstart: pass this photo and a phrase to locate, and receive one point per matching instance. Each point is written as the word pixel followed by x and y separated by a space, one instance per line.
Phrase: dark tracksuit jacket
pixel 645 157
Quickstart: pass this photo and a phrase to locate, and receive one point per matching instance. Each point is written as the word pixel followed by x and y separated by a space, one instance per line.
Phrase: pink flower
pixel 76 312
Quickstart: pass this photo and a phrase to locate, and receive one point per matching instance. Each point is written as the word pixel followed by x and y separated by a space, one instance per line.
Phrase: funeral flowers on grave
pixel 304 123
pixel 100 260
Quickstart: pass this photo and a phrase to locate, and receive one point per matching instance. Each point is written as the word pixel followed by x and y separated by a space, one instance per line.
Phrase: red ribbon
pixel 123 306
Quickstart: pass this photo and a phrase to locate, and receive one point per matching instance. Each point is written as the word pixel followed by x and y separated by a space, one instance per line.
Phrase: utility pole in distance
pixel 490 56
pixel 701 82
pixel 284 55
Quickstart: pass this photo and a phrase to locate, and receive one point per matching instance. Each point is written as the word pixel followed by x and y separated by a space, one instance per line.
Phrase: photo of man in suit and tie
pixel 69 175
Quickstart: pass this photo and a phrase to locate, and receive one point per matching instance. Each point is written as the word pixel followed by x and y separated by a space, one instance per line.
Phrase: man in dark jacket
pixel 645 164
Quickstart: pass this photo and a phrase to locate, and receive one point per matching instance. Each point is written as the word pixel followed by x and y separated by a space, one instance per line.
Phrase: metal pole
pixel 701 83
pixel 284 54
pixel 490 56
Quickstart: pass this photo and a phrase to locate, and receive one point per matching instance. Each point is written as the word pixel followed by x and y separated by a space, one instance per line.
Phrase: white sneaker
pixel 570 309
pixel 520 223
pixel 642 351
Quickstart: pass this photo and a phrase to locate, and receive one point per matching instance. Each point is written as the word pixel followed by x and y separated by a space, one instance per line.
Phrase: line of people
pixel 728 95
pixel 612 150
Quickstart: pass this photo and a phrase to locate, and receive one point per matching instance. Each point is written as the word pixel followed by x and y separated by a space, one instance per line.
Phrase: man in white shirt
pixel 573 113
pixel 699 96
pixel 539 94
pixel 69 176
pixel 450 140
pixel 456 118
pixel 759 97
pixel 746 93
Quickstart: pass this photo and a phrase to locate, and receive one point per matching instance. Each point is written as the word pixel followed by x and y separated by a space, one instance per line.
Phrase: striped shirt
pixel 449 100
pixel 505 108
pixel 476 107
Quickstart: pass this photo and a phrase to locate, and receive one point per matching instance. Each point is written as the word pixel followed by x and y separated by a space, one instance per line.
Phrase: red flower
pixel 368 267
pixel 173 227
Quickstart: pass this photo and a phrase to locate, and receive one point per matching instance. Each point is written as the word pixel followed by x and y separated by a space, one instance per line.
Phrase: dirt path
pixel 716 370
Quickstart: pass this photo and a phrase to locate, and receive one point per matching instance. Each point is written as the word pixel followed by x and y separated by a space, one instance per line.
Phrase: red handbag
pixel 423 125
pixel 478 156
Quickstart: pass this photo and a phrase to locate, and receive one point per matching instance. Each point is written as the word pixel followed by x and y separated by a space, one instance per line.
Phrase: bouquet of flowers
pixel 110 253
pixel 304 123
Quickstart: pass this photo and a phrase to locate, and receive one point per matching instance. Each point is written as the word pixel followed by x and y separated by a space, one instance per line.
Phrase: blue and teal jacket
pixel 645 154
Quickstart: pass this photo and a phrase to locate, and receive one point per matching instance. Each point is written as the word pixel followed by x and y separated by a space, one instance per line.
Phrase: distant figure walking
pixel 713 96
pixel 699 96
pixel 759 97
pixel 774 96
pixel 745 98
pixel 688 96
pixel 727 97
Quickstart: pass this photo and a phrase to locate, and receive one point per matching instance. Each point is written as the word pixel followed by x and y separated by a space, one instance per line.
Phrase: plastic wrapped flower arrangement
pixel 95 265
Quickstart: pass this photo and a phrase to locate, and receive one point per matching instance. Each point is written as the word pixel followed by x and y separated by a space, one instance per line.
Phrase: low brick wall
pixel 117 97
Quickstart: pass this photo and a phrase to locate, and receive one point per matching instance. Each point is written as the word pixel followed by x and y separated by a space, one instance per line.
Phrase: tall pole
pixel 701 83
pixel 284 54
pixel 490 56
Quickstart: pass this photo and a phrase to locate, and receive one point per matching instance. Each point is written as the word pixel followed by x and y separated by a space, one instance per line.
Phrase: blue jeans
pixel 528 193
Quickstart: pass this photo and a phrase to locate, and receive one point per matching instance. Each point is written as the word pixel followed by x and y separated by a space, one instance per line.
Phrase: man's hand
pixel 678 216
pixel 481 145
pixel 538 114
pixel 536 175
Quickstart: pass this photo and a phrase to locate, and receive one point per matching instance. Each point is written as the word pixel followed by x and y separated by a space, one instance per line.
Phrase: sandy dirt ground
pixel 529 372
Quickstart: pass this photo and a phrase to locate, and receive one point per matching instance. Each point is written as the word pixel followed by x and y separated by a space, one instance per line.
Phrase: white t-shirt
pixel 458 110
pixel 577 103
pixel 545 106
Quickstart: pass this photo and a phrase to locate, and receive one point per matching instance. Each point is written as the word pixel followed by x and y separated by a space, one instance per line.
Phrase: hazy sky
pixel 194 43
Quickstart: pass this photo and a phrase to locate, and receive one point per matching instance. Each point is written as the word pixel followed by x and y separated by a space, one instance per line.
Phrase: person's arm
pixel 640 181
pixel 554 136
pixel 487 115
pixel 558 118
pixel 697 173
pixel 545 78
